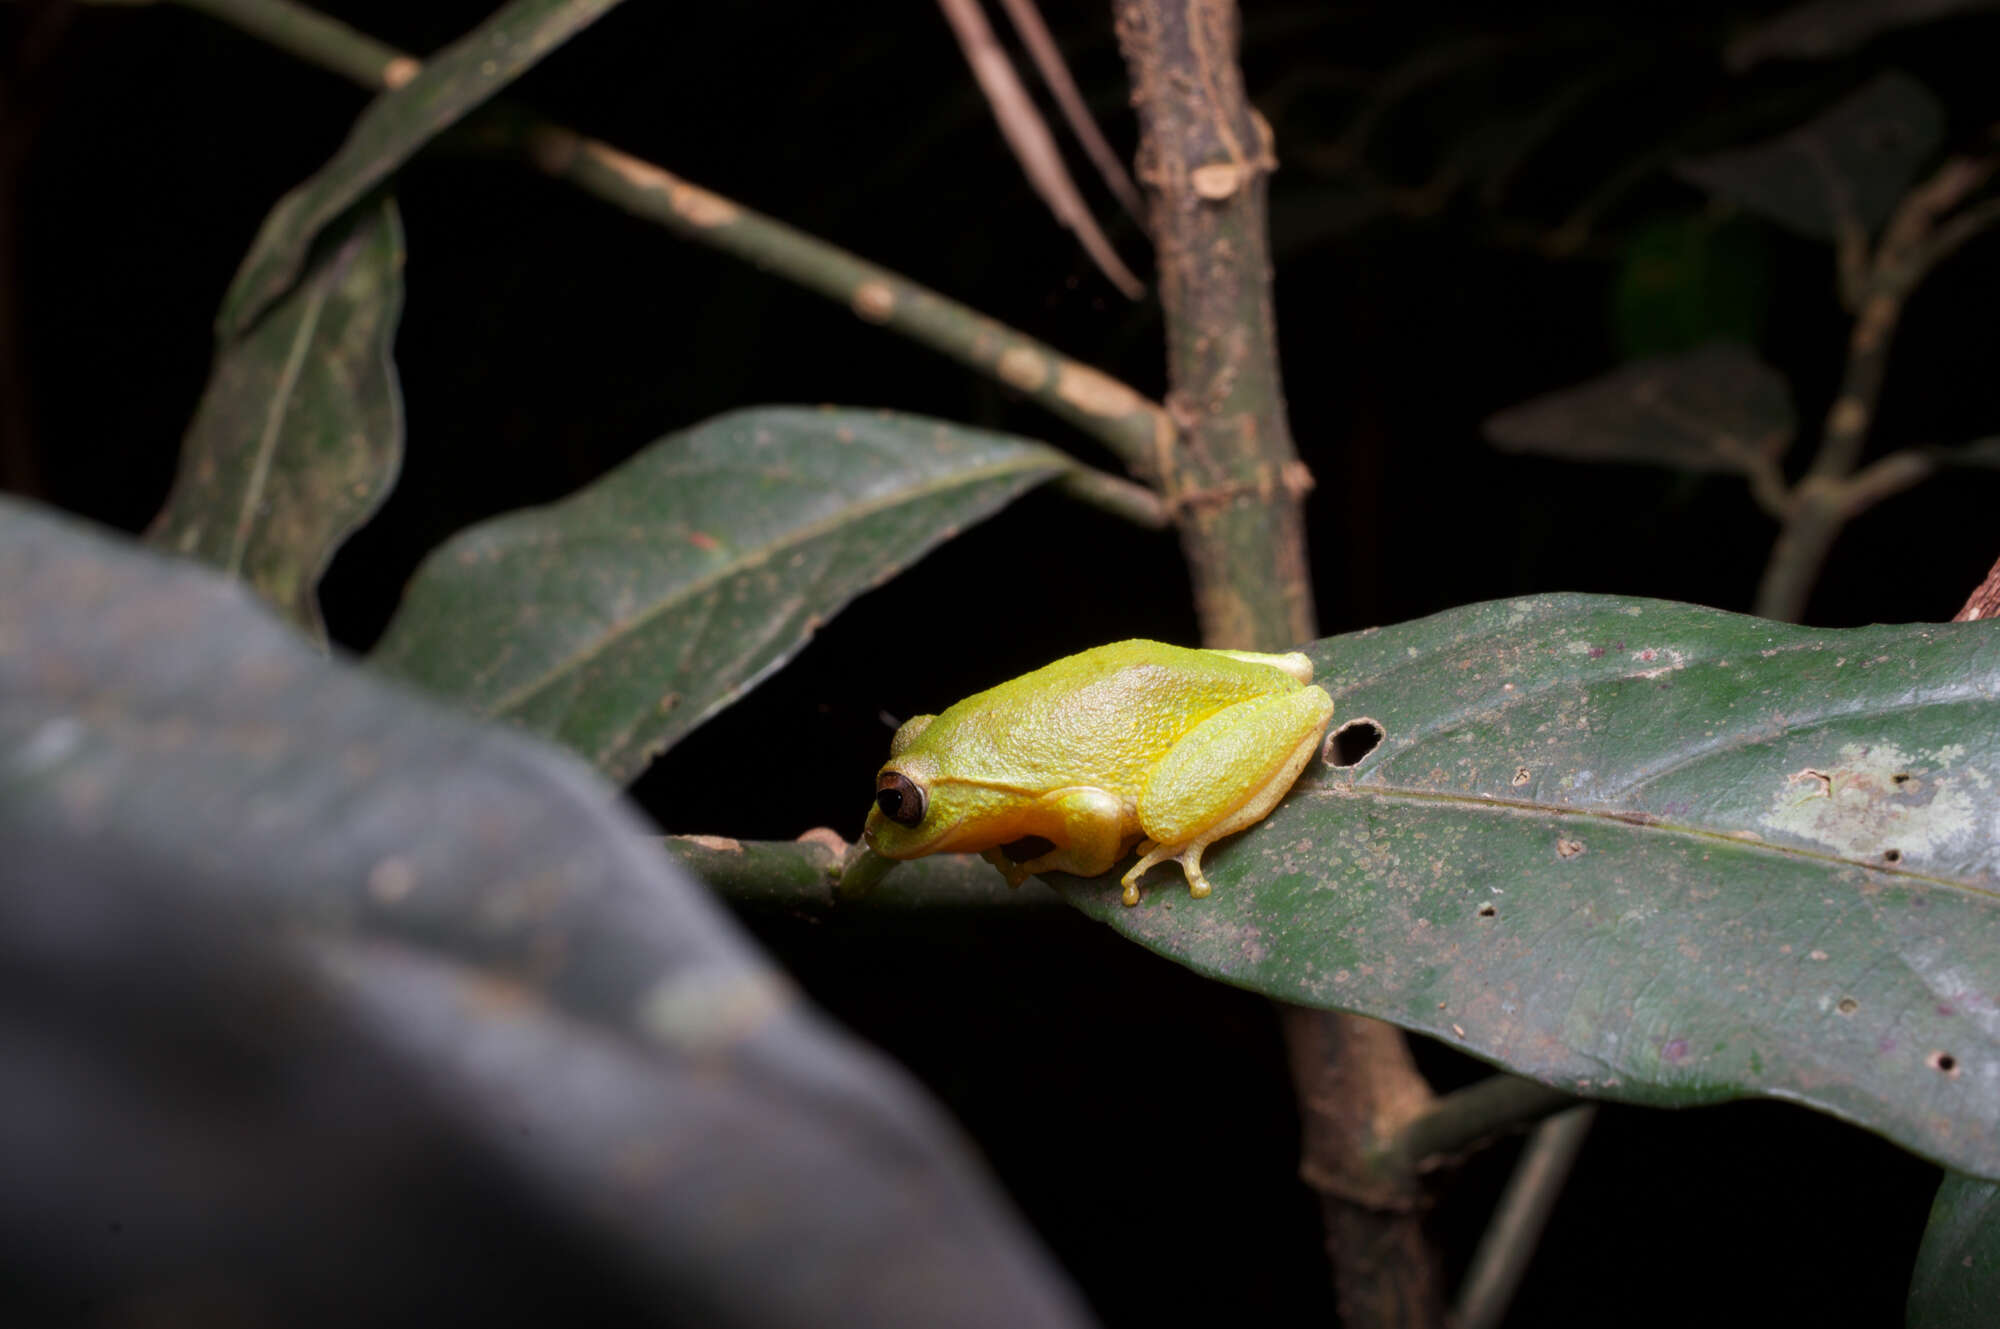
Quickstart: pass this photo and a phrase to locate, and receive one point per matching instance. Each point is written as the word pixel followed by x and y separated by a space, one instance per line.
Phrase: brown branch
pixel 1237 487
pixel 1034 35
pixel 1027 134
pixel 1920 234
pixel 1984 602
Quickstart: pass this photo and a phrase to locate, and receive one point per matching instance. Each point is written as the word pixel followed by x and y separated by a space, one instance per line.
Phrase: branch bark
pixel 1234 481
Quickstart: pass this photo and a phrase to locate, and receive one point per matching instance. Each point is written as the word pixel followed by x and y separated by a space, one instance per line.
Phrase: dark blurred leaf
pixel 396 124
pixel 1853 162
pixel 1956 1284
pixel 1718 408
pixel 620 618
pixel 1826 28
pixel 1644 851
pixel 1688 280
pixel 481 910
pixel 300 433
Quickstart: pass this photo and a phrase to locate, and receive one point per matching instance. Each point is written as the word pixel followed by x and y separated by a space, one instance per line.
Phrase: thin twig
pixel 1508 1245
pixel 1455 1124
pixel 1034 34
pixel 1123 420
pixel 1028 135
pixel 1121 498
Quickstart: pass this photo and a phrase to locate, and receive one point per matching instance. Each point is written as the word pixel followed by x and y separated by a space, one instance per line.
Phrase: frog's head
pixel 912 810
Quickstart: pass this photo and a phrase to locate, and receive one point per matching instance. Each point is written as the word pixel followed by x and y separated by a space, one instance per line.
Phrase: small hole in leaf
pixel 1847 1005
pixel 1900 777
pixel 1943 1062
pixel 1347 745
pixel 1892 855
pixel 1488 910
pixel 1025 848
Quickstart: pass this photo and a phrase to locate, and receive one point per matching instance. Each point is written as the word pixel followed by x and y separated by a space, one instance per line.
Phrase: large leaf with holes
pixel 300 432
pixel 208 828
pixel 422 103
pixel 1956 1284
pixel 619 619
pixel 1644 851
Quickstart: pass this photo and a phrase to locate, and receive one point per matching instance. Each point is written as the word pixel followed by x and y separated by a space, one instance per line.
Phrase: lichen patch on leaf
pixel 1878 798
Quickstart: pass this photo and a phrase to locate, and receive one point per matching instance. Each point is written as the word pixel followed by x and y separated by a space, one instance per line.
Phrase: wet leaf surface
pixel 299 434
pixel 620 618
pixel 1643 851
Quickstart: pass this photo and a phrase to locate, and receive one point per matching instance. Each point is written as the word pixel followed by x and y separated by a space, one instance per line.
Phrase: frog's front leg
pixel 1225 774
pixel 1091 828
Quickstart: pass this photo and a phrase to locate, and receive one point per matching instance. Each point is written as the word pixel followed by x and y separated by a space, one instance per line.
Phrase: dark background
pixel 1140 1116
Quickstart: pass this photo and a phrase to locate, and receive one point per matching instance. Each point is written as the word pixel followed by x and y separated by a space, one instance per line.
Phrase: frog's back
pixel 1101 717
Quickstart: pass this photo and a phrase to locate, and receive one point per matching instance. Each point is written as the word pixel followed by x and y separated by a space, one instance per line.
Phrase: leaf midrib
pixel 1644 821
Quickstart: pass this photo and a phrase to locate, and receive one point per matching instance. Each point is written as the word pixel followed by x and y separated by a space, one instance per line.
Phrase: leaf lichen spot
pixel 1869 805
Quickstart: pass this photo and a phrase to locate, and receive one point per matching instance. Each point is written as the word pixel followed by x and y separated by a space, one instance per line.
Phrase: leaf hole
pixel 1943 1063
pixel 1353 741
pixel 1488 910
pixel 1901 778
pixel 1847 1005
pixel 1892 855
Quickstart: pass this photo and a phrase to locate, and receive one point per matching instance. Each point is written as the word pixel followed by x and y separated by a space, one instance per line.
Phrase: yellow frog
pixel 1135 741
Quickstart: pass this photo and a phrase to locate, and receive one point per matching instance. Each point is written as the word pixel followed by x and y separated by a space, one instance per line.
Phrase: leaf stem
pixel 1135 429
pixel 1508 1245
pixel 1457 1123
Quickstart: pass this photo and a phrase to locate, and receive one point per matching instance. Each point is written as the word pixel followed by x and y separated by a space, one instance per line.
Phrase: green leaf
pixel 395 125
pixel 622 617
pixel 606 1043
pixel 1717 408
pixel 1956 1284
pixel 1852 164
pixel 300 433
pixel 1643 851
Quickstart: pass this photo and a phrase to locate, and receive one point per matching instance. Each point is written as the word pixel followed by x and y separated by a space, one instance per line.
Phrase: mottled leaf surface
pixel 1715 408
pixel 1644 851
pixel 507 936
pixel 1956 1284
pixel 396 124
pixel 299 434
pixel 1850 165
pixel 620 618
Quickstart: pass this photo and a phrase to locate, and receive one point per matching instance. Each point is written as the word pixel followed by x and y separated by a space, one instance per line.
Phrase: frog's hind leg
pixel 1226 774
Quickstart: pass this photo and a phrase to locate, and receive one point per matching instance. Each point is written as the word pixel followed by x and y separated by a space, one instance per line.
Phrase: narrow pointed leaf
pixel 1957 1280
pixel 499 930
pixel 1850 165
pixel 1644 851
pixel 1822 29
pixel 396 124
pixel 620 618
pixel 299 435
pixel 1716 408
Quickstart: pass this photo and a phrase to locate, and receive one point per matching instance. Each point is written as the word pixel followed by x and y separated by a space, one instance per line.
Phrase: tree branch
pixel 1134 428
pixel 1237 487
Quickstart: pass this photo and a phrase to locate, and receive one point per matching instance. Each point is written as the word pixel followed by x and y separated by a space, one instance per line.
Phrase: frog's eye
pixel 900 798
